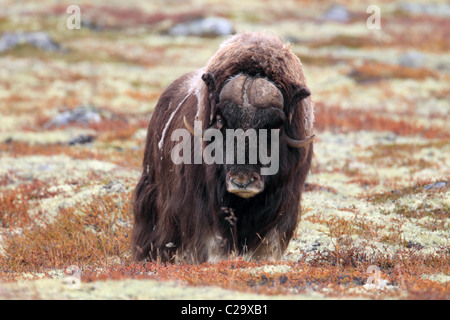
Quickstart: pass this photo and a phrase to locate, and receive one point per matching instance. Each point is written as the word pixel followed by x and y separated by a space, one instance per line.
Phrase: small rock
pixel 412 59
pixel 39 39
pixel 436 185
pixel 91 24
pixel 434 9
pixel 338 13
pixel 43 167
pixel 115 187
pixel 417 246
pixel 81 115
pixel 206 27
pixel 81 139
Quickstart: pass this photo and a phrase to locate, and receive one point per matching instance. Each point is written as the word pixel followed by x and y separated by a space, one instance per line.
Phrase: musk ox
pixel 196 212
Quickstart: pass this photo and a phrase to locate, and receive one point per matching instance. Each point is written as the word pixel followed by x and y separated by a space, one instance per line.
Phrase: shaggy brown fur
pixel 184 211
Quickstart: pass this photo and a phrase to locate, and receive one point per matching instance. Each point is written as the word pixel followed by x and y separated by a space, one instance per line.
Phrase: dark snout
pixel 244 185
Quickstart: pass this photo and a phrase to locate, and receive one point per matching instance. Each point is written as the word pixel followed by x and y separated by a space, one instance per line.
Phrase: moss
pixel 347 41
pixel 66 55
pixel 394 195
pixel 377 71
pixel 336 118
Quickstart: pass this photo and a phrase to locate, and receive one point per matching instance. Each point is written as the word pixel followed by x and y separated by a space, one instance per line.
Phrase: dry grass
pixel 15 204
pixel 333 273
pixel 120 156
pixel 429 33
pixel 95 236
pixel 377 71
pixel 338 119
pixel 90 234
pixel 417 188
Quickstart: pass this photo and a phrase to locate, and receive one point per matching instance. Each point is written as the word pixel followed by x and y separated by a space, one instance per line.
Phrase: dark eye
pixel 220 122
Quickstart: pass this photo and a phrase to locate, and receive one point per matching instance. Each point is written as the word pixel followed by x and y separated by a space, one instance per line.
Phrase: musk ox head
pixel 249 113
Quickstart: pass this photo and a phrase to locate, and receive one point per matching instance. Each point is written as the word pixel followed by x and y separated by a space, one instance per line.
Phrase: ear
pixel 210 82
pixel 299 93
pixel 208 78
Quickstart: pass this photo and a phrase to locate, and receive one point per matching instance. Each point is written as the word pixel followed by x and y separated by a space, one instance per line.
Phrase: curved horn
pixel 191 129
pixel 299 143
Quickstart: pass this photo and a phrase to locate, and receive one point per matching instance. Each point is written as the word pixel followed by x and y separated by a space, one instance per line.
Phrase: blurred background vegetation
pixel 126 53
